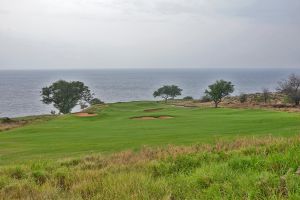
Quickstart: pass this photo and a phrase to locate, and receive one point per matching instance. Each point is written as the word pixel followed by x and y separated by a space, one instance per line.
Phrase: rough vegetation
pixel 10 123
pixel 257 168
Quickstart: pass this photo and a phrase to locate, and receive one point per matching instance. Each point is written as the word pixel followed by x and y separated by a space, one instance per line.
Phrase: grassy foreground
pixel 113 130
pixel 199 153
pixel 265 168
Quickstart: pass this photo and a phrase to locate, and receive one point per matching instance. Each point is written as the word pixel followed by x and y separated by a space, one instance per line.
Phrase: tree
pixel 265 94
pixel 219 90
pixel 291 88
pixel 66 95
pixel 168 91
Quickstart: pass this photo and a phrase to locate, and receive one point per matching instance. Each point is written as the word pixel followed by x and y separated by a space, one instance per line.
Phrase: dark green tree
pixel 168 92
pixel 66 95
pixel 217 91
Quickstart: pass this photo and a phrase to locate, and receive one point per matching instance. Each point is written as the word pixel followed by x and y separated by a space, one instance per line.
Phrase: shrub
pixel 243 98
pixel 205 99
pixel 40 177
pixel 17 173
pixel 96 101
pixel 188 98
pixel 6 120
pixel 53 112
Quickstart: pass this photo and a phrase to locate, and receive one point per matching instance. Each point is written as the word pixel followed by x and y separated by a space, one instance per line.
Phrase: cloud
pixel 143 33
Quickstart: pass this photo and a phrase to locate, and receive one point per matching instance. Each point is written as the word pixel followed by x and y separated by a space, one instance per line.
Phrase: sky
pixel 88 34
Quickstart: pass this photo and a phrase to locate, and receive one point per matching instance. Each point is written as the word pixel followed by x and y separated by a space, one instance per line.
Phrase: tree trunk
pixel 216 104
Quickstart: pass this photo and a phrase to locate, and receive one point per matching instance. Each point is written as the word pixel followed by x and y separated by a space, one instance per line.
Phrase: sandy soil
pixel 82 114
pixel 165 117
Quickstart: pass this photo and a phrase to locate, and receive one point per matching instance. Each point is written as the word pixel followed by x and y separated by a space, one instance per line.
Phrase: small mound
pixel 153 110
pixel 152 118
pixel 81 114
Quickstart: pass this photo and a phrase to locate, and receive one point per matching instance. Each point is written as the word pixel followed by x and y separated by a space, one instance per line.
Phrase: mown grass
pixel 114 130
pixel 257 168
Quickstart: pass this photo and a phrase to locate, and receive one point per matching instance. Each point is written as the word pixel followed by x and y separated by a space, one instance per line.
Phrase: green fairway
pixel 114 130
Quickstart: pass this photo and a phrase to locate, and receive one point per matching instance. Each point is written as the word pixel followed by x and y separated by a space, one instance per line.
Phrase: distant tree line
pixel 66 95
pixel 221 89
pixel 215 92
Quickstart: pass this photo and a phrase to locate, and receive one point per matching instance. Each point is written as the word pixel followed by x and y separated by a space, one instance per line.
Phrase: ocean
pixel 20 90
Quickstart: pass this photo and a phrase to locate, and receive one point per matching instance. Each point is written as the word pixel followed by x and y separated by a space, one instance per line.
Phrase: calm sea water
pixel 20 90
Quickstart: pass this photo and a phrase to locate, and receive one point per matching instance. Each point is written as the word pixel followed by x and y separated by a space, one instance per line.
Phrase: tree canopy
pixel 167 92
pixel 66 95
pixel 220 89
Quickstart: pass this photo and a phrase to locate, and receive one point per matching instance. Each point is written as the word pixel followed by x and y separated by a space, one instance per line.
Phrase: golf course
pixel 153 150
pixel 130 126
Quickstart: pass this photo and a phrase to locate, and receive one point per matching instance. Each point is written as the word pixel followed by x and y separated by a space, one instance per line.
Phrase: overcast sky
pixel 40 34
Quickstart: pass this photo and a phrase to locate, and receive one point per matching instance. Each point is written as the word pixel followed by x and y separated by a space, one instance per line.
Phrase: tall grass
pixel 257 168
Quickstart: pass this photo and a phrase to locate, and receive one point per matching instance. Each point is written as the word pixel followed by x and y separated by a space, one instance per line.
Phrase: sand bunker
pixel 81 114
pixel 152 118
pixel 165 117
pixel 153 110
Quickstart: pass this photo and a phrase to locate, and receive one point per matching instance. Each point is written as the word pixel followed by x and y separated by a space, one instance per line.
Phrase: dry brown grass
pixel 22 121
pixel 147 154
pixel 11 125
pixel 128 174
pixel 238 105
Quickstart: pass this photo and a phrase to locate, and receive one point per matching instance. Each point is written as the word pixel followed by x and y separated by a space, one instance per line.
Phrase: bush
pixel 6 120
pixel 205 99
pixel 17 173
pixel 39 177
pixel 243 98
pixel 96 101
pixel 188 98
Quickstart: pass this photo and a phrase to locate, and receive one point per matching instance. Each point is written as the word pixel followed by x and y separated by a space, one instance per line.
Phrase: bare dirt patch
pixel 153 110
pixel 152 117
pixel 83 114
